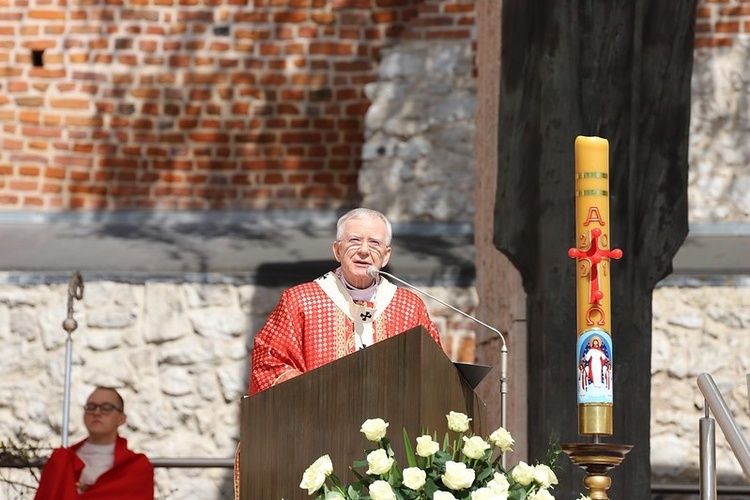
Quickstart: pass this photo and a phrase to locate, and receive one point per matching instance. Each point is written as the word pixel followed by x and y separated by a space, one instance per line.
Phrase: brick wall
pixel 194 104
pixel 721 22
pixel 210 104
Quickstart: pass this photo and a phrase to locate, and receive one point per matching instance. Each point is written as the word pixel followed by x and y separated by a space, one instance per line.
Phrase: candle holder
pixel 597 459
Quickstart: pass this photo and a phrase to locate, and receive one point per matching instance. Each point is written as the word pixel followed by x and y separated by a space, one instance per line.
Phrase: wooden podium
pixel 406 380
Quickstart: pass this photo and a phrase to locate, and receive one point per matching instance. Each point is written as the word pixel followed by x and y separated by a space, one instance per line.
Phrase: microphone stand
pixel 75 291
pixel 503 352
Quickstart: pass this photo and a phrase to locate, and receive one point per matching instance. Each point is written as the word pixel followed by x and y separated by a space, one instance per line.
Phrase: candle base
pixel 597 459
pixel 595 419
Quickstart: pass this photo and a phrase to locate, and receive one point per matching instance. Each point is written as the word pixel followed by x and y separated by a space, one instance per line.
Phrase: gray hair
pixel 364 213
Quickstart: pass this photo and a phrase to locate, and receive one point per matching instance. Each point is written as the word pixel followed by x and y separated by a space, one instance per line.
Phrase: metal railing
pixel 227 463
pixel 196 463
pixel 714 402
pixel 663 490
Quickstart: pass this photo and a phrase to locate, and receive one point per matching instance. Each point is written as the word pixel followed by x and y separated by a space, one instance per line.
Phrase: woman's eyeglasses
pixel 104 408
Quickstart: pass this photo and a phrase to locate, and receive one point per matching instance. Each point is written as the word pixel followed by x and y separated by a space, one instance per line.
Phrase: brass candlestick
pixel 597 459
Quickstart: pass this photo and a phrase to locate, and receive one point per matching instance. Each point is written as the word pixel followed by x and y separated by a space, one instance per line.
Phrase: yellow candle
pixel 594 346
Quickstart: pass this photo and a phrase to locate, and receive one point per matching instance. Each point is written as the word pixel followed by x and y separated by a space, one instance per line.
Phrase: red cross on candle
pixel 594 256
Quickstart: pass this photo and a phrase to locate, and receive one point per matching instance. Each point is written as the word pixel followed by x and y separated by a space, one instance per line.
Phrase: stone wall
pixel 719 178
pixel 697 329
pixel 177 351
pixel 418 158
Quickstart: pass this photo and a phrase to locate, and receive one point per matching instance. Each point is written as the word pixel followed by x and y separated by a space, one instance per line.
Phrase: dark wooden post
pixel 619 70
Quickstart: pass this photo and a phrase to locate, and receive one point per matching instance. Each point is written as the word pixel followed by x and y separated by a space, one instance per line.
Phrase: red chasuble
pixel 130 478
pixel 307 330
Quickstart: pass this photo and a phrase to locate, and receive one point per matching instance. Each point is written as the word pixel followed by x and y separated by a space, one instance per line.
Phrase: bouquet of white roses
pixel 464 467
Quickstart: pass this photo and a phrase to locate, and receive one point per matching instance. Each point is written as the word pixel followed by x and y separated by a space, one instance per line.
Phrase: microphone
pixel 373 272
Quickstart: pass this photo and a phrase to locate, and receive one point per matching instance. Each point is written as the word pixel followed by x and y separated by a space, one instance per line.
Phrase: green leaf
pixel 410 457
pixel 430 487
pixel 484 476
pixel 355 491
pixel 385 443
pixel 335 480
pixel 358 464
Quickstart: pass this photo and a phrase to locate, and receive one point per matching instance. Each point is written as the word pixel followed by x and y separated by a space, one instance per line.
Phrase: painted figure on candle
pixel 595 367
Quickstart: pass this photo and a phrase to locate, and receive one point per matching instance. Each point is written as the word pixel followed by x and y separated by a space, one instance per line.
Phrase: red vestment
pixel 307 330
pixel 130 478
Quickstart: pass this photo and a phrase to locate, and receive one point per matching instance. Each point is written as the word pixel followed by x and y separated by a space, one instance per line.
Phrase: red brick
pixel 291 16
pixel 216 165
pixel 727 27
pixel 260 164
pixel 703 43
pixel 46 14
pixel 84 121
pixel 29 117
pixel 173 164
pixel 212 137
pixel 55 188
pixel 33 201
pixel 18 185
pixel 42 132
pixel 734 11
pixel 70 103
pixel 113 162
pixel 8 72
pixel 171 177
pixel 332 48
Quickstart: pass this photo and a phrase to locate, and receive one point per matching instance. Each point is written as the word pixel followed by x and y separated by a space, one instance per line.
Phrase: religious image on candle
pixel 595 367
pixel 594 348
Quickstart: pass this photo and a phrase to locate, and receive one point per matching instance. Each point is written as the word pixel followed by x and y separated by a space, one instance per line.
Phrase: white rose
pixel 374 429
pixel 414 478
pixel 499 483
pixel 315 475
pixel 324 465
pixel 379 462
pixel 541 495
pixel 426 447
pixel 457 476
pixel 584 497
pixel 544 476
pixel 312 481
pixel 443 495
pixel 381 490
pixel 487 494
pixel 522 473
pixel 474 447
pixel 334 495
pixel 502 439
pixel 458 422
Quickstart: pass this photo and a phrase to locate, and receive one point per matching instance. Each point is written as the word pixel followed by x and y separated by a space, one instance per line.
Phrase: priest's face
pixel 362 244
pixel 103 414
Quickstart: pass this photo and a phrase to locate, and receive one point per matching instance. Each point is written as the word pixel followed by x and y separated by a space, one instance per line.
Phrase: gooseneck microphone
pixel 373 272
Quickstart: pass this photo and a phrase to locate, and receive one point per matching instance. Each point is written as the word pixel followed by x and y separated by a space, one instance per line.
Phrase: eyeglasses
pixel 356 242
pixel 104 408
